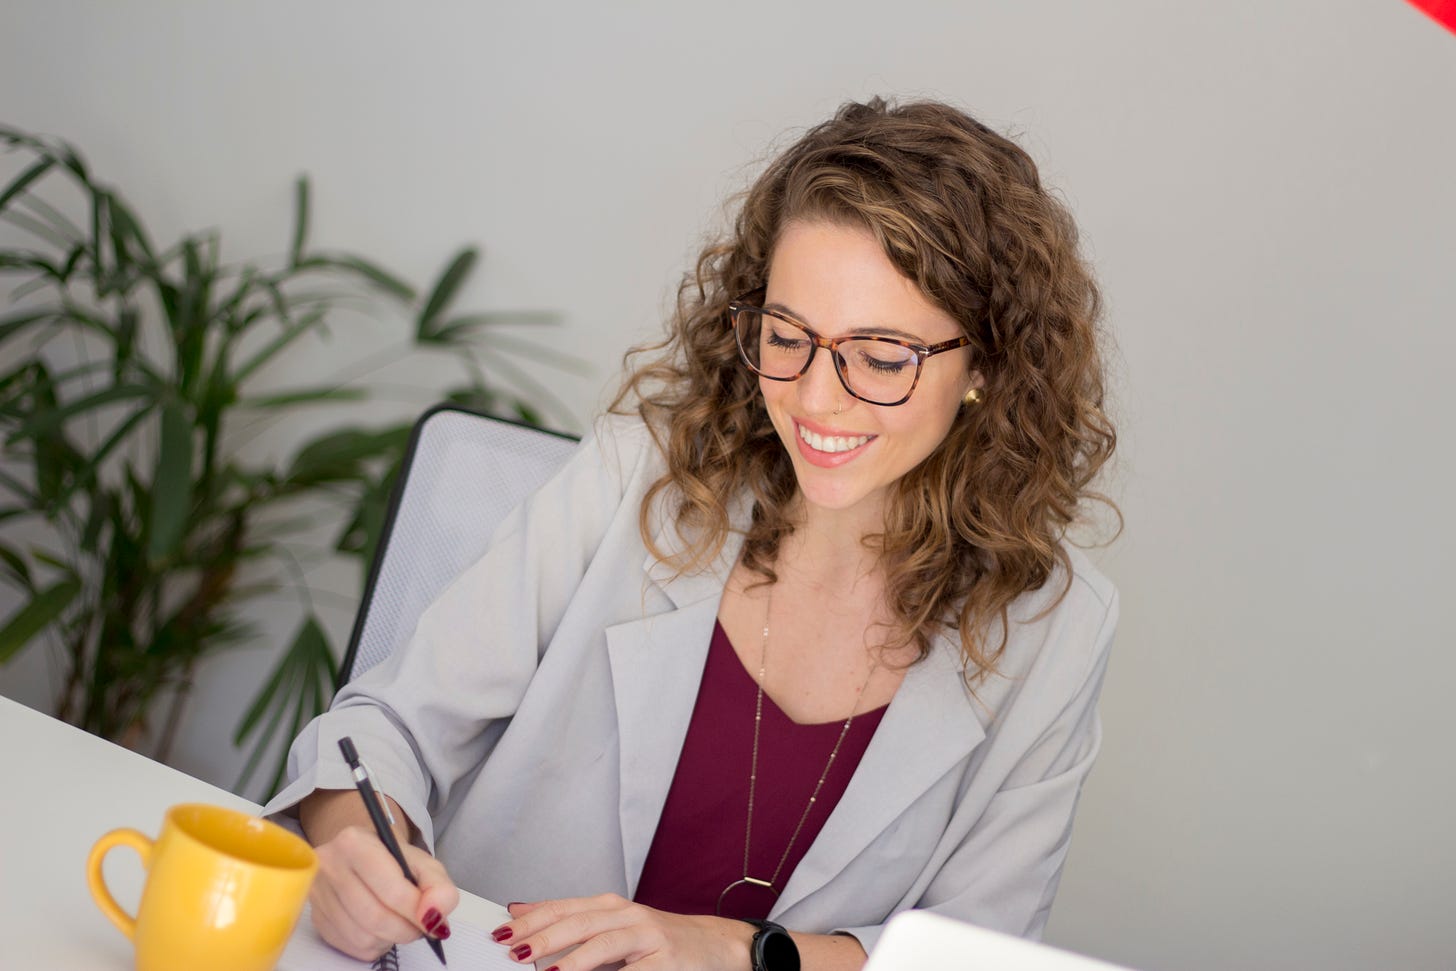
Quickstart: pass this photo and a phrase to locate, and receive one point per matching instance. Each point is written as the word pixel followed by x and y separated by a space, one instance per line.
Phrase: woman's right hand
pixel 361 902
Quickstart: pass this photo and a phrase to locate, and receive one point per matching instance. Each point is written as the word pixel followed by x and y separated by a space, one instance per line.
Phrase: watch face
pixel 776 951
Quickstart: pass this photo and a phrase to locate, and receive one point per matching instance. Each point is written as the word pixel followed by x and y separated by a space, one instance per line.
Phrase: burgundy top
pixel 698 847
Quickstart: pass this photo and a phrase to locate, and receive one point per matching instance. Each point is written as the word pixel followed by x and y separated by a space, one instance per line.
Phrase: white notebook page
pixel 469 948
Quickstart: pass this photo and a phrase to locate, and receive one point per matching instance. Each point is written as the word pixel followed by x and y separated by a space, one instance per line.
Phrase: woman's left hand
pixel 610 930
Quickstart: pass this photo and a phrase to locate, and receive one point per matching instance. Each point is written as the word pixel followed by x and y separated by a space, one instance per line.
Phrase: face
pixel 837 281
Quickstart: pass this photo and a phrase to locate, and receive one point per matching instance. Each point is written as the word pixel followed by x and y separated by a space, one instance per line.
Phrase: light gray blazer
pixel 531 729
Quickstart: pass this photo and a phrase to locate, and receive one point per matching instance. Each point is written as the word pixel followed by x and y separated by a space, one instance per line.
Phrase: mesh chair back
pixel 462 474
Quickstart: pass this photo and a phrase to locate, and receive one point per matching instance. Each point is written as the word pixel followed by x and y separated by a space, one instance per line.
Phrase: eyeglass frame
pixel 831 344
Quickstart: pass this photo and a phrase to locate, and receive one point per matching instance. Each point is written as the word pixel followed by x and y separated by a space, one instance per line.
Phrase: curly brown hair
pixel 961 211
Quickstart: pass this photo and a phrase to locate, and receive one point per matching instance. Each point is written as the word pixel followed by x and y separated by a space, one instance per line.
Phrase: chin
pixel 832 496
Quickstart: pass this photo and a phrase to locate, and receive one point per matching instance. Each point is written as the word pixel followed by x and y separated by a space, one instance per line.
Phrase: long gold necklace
pixel 771 884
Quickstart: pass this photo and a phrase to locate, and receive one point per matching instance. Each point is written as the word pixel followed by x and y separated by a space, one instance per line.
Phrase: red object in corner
pixel 1441 11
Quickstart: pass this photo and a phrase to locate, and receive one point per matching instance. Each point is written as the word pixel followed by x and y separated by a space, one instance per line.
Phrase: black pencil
pixel 381 824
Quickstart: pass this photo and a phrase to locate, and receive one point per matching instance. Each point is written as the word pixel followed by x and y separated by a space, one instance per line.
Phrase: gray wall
pixel 1268 192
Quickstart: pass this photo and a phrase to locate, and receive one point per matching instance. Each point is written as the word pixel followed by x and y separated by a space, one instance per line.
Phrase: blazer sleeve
pixel 428 716
pixel 1004 871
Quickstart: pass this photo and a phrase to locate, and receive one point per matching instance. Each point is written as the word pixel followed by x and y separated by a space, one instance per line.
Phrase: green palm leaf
pixel 35 616
pixel 427 327
pixel 172 486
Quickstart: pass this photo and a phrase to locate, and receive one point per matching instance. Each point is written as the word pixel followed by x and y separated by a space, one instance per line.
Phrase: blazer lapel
pixel 657 664
pixel 929 726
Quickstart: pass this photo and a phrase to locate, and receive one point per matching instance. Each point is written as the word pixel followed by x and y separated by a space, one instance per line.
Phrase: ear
pixel 974 393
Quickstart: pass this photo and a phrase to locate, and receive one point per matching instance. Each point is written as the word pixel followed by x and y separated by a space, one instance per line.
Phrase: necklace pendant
pixel 754 898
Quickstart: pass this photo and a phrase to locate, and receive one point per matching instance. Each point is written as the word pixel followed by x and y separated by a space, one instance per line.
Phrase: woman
pixel 795 635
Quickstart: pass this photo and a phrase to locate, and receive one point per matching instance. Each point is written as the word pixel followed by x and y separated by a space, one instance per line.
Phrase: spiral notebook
pixel 469 948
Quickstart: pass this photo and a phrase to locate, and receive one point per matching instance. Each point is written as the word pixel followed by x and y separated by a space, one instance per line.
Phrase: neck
pixel 827 546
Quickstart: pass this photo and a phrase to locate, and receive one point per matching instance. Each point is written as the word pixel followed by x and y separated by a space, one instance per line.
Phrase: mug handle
pixel 125 922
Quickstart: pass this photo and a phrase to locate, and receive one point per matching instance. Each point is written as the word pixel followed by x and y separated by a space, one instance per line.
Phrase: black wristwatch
pixel 773 949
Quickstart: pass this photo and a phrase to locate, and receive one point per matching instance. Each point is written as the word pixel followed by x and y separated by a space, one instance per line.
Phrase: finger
pixel 608 949
pixel 655 941
pixel 514 910
pixel 652 962
pixel 330 916
pixel 361 909
pixel 375 870
pixel 438 895
pixel 338 929
pixel 558 925
pixel 369 894
pixel 528 918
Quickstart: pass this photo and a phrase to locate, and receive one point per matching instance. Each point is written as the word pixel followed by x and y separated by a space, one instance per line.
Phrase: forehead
pixel 836 278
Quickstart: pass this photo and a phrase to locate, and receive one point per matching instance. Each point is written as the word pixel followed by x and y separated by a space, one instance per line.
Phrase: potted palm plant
pixel 135 531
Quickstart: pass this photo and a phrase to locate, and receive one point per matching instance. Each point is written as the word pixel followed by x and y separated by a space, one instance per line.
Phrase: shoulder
pixel 1089 588
pixel 1061 632
pixel 619 451
pixel 602 480
pixel 1076 592
pixel 626 443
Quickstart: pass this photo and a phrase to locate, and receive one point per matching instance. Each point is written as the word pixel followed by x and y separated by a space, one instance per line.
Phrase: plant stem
pixel 66 701
pixel 174 715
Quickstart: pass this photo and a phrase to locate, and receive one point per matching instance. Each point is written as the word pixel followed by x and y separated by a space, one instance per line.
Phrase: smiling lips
pixel 831 443
pixel 829 450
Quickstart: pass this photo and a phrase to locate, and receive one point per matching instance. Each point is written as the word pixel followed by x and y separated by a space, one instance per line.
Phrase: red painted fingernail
pixel 502 933
pixel 442 933
pixel 432 919
pixel 521 952
pixel 553 968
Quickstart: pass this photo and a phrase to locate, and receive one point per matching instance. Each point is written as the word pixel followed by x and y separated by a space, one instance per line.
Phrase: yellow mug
pixel 223 890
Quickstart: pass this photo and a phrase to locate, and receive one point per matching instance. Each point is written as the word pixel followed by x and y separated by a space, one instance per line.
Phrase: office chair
pixel 463 472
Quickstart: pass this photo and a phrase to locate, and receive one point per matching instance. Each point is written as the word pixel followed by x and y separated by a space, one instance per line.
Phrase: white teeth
pixel 831 443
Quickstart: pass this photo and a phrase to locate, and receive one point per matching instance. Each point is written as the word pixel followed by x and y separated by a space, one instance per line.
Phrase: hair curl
pixel 961 211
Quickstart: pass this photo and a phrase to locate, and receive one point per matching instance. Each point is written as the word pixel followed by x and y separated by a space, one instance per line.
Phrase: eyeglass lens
pixel 879 372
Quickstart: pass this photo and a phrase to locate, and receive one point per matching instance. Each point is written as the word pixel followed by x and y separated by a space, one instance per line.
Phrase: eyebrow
pixel 857 331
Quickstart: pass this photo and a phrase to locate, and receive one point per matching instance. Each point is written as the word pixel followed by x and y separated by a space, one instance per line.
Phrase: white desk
pixel 62 788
